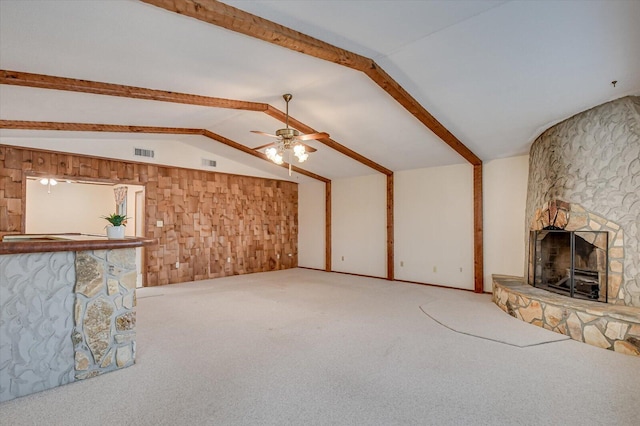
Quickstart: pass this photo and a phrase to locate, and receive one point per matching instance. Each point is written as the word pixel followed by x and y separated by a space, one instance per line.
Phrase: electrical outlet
pixel 177 265
pixel 343 258
pixel 159 224
pixel 402 263
pixel 435 269
pixel 228 260
pixel 278 256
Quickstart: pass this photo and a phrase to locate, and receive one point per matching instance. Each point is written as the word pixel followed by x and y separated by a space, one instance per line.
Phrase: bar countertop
pixel 37 243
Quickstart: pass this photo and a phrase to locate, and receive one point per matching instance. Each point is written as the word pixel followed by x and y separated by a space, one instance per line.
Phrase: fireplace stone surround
pixel 584 175
pixel 561 215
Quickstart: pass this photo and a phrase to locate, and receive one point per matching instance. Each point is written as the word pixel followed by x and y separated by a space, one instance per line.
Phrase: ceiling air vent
pixel 208 163
pixel 141 152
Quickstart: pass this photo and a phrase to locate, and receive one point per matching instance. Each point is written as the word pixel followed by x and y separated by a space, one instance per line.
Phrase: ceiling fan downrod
pixel 287 97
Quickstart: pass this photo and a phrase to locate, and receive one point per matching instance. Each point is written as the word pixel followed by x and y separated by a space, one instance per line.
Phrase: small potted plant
pixel 116 230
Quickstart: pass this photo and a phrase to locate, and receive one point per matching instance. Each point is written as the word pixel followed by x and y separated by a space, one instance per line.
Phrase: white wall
pixel 433 223
pixel 311 225
pixel 505 195
pixel 75 207
pixel 434 226
pixel 68 208
pixel 358 225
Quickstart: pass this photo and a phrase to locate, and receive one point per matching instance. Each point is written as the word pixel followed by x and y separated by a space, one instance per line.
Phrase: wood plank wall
pixel 208 217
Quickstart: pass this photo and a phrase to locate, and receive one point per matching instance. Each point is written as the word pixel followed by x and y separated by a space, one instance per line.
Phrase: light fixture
pixel 280 149
pixel 49 182
pixel 289 142
pixel 274 154
pixel 299 151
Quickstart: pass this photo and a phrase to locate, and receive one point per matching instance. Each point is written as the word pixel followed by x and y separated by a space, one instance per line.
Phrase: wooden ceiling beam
pixel 41 81
pixel 231 18
pixel 93 127
pixel 397 92
pixel 225 16
pixel 281 116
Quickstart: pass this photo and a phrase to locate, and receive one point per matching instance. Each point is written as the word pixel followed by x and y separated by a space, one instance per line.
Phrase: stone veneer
pixel 64 316
pixel 607 326
pixel 593 160
pixel 104 333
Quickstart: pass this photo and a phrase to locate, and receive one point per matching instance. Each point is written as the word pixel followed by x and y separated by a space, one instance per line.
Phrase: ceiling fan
pixel 288 141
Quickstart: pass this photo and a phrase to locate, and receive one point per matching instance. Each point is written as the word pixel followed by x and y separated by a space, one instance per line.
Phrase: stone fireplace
pixel 584 175
pixel 583 195
pixel 565 262
pixel 595 263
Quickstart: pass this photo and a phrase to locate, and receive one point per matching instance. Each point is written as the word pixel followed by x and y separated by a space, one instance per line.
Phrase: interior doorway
pixel 78 206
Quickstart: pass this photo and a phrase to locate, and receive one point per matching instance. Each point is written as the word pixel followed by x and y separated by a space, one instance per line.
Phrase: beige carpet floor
pixel 462 316
pixel 303 347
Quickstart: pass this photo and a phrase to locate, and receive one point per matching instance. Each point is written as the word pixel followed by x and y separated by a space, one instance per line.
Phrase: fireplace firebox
pixel 571 263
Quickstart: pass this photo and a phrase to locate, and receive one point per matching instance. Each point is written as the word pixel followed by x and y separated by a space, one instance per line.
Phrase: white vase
pixel 115 232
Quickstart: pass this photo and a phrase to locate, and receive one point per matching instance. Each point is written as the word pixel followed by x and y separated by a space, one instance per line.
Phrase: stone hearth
pixel 604 325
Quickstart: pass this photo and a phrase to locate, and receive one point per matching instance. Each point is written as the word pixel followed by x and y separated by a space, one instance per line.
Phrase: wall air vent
pixel 141 152
pixel 208 163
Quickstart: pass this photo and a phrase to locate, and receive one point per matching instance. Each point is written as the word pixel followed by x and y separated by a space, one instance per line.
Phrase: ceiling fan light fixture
pixel 48 182
pixel 288 141
pixel 270 153
pixel 298 150
pixel 274 155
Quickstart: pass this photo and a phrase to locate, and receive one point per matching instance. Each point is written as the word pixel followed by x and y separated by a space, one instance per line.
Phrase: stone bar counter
pixel 66 309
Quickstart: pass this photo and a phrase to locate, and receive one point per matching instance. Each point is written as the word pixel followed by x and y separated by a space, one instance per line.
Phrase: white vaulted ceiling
pixel 494 73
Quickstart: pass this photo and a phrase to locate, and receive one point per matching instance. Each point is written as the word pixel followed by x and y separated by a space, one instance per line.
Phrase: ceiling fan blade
pixel 312 136
pixel 258 148
pixel 263 133
pixel 308 148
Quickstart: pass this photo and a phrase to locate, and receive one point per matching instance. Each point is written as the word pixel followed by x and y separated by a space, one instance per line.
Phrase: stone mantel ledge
pixel 40 243
pixel 609 326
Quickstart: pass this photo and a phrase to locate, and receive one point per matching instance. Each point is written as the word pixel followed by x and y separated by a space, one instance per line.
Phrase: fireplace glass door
pixel 571 263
